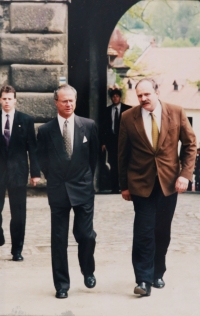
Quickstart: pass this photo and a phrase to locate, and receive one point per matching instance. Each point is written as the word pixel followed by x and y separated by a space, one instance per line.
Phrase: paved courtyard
pixel 27 287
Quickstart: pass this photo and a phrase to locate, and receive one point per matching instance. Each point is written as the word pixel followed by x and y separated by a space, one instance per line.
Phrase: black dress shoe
pixel 17 257
pixel 89 281
pixel 143 288
pixel 159 283
pixel 2 240
pixel 61 293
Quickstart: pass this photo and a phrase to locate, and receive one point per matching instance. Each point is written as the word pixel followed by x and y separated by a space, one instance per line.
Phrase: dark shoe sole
pixel 18 260
pixel 158 287
pixel 63 295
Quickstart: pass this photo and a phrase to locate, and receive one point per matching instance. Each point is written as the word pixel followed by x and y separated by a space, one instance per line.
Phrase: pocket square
pixel 84 139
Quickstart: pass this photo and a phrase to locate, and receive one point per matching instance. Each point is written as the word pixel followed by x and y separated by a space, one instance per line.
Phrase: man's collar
pixel 62 119
pixel 117 106
pixel 156 111
pixel 11 113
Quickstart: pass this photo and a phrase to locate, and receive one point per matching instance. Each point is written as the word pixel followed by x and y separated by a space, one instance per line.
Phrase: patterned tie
pixel 67 138
pixel 116 122
pixel 155 131
pixel 7 131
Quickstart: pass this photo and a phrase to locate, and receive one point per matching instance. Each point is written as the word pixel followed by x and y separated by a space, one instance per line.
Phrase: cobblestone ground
pixel 113 223
pixel 27 288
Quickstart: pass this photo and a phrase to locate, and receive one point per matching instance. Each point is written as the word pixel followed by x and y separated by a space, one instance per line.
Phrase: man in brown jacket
pixel 150 176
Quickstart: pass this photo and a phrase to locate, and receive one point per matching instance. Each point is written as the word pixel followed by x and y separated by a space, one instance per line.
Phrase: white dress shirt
pixel 118 107
pixel 4 119
pixel 70 121
pixel 147 120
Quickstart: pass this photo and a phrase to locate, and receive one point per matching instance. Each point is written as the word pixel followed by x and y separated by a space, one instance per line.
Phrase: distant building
pixel 177 71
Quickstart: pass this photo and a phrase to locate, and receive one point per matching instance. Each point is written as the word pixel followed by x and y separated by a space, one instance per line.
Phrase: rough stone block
pixel 39 105
pixel 4 75
pixel 33 49
pixel 38 17
pixel 36 78
pixel 4 18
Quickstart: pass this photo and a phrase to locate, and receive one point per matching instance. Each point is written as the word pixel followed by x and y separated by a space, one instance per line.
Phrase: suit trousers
pixel 113 161
pixel 151 235
pixel 84 235
pixel 17 200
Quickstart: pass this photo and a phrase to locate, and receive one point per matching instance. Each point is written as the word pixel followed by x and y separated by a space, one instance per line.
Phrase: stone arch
pixel 90 27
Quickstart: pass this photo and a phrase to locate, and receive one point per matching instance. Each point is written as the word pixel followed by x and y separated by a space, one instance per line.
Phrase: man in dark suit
pixel 18 138
pixel 110 134
pixel 150 176
pixel 67 151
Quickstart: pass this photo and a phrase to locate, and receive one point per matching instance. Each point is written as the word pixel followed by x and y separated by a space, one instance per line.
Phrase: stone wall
pixel 33 52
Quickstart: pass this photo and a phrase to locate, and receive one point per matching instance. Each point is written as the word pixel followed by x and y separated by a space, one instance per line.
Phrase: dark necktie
pixel 67 139
pixel 7 130
pixel 155 131
pixel 116 122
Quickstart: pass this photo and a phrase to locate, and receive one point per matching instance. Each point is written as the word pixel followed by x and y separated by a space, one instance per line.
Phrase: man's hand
pixel 126 195
pixel 34 181
pixel 103 148
pixel 181 184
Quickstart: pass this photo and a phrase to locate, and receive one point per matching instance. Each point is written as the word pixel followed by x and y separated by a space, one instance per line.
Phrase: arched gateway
pixel 40 41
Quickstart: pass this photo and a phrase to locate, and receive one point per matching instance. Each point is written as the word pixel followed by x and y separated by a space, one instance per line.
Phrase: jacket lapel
pixel 57 139
pixel 165 119
pixel 79 131
pixel 14 132
pixel 138 121
pixel 2 141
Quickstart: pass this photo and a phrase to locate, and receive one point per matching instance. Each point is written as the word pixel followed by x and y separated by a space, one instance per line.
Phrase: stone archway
pixel 90 26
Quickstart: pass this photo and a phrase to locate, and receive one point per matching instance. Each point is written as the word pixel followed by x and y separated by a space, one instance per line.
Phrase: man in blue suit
pixel 67 151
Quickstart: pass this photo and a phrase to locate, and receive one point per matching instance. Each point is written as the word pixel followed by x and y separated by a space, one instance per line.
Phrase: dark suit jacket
pixel 139 162
pixel 75 175
pixel 106 128
pixel 14 167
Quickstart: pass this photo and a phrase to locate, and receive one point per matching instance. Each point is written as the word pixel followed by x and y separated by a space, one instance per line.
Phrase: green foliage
pixel 118 80
pixel 131 56
pixel 165 19
pixel 180 42
pixel 198 84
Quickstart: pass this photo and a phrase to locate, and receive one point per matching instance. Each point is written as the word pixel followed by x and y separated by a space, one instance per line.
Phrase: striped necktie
pixel 7 130
pixel 154 132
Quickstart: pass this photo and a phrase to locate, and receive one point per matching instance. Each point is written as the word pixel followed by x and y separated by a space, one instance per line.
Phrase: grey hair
pixel 151 80
pixel 64 87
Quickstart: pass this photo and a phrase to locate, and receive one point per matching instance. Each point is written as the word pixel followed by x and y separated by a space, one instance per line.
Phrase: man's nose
pixel 143 98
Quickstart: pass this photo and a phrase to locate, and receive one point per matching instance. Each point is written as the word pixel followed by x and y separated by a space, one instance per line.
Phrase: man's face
pixel 8 101
pixel 116 99
pixel 66 103
pixel 147 96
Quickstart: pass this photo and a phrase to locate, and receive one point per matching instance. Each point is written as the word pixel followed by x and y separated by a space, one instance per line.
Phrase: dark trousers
pixel 84 235
pixel 152 230
pixel 113 161
pixel 17 200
